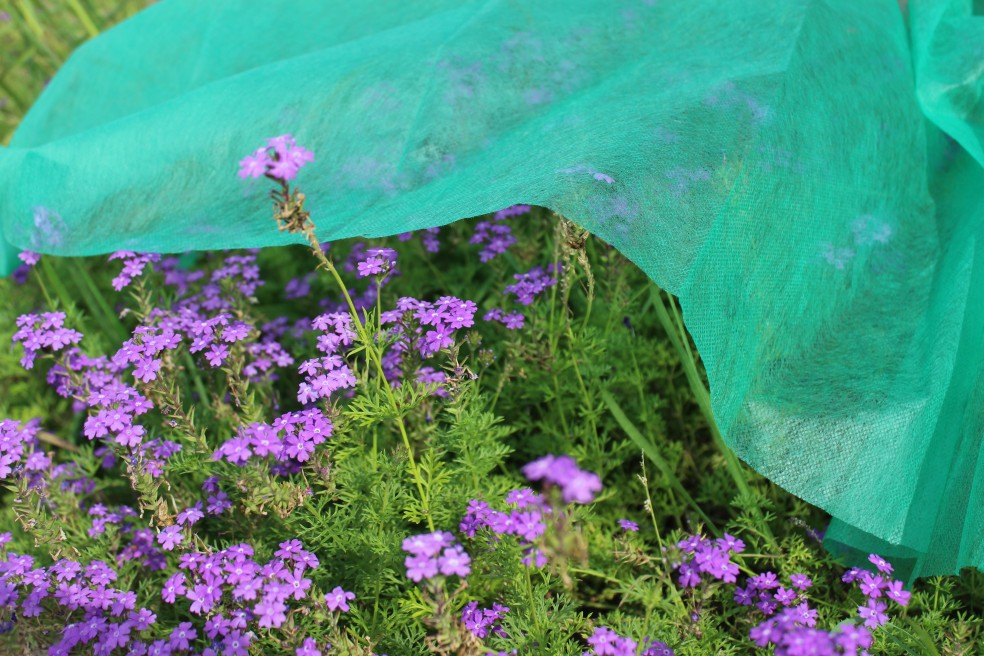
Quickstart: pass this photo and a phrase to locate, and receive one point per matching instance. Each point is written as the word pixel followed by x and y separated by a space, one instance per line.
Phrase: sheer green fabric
pixel 805 175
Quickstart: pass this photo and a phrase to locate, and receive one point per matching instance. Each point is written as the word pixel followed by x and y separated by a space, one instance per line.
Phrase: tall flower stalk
pixel 280 161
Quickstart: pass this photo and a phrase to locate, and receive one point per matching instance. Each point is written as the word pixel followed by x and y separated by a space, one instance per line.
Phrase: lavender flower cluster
pixel 20 449
pixel 290 439
pixel 102 616
pixel 484 621
pixel 790 623
pixel 46 332
pixel 434 554
pixel 280 158
pixel 534 513
pixel 529 285
pixel 496 236
pixel 605 642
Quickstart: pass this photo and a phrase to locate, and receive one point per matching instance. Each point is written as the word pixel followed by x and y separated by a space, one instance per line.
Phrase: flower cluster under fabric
pixel 496 236
pixel 29 259
pixel 875 587
pixel 428 237
pixel 133 266
pixel 605 642
pixel 791 623
pixel 529 285
pixel 435 554
pixel 281 159
pixel 45 332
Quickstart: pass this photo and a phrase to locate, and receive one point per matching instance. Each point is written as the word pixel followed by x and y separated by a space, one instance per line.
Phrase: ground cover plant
pixel 490 438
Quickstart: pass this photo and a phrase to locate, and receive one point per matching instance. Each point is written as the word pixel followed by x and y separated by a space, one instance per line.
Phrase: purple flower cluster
pixel 533 514
pixel 280 159
pixel 137 543
pixel 29 260
pixel 605 642
pixel 114 405
pixel 576 485
pixel 708 557
pixel 376 262
pixel 433 554
pixel 428 237
pixel 44 332
pixel 204 319
pixel 512 320
pixel 20 448
pixel 96 614
pixel 329 373
pixel 290 439
pixel 427 326
pixel 874 587
pixel 133 266
pixel 233 592
pixel 531 284
pixel 494 236
pixel 482 621
pixel 790 624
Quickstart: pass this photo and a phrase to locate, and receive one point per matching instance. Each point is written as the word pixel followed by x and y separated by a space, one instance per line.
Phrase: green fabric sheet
pixel 806 175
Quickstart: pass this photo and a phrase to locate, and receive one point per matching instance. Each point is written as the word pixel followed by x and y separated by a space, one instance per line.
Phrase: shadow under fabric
pixel 806 175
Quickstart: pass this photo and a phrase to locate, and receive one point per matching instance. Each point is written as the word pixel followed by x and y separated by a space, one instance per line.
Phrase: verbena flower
pixel 281 158
pixel 338 599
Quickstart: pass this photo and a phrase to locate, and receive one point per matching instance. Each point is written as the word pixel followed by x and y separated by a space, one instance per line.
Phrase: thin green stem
pixel 659 541
pixel 678 337
pixel 372 354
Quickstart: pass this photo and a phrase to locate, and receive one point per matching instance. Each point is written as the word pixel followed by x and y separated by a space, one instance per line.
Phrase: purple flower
pixel 29 258
pixel 873 613
pixel 689 577
pixel 879 562
pixel 170 537
pixel 852 636
pixel 283 163
pixel 255 165
pixel 308 648
pixel 271 612
pixel 871 585
pixel 190 516
pixel 895 592
pixel 338 599
pixel 481 621
pixel 420 567
pixel 800 581
pixel 427 544
pixel 454 561
pixel 182 636
pixel 216 354
pixel 173 587
pixel 784 596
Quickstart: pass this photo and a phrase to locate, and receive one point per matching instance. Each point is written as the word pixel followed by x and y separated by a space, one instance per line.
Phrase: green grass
pixel 37 37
